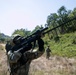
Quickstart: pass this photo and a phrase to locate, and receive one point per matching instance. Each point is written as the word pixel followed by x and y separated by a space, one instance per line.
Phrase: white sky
pixel 27 14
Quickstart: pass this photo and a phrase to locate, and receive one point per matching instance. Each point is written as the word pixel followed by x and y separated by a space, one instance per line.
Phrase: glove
pixel 14 57
pixel 41 44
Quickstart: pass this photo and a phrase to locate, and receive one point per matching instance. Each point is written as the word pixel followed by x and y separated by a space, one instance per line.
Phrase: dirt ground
pixel 54 66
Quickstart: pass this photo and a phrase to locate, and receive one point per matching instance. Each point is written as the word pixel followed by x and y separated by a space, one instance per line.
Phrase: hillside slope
pixel 65 46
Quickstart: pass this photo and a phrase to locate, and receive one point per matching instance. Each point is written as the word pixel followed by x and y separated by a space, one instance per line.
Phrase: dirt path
pixel 54 66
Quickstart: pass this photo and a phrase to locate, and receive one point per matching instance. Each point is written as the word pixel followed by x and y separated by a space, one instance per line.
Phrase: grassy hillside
pixel 66 46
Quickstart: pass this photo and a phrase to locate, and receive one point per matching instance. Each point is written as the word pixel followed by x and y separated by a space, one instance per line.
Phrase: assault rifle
pixel 25 42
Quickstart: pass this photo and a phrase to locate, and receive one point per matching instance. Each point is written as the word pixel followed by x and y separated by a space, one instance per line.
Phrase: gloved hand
pixel 41 44
pixel 14 57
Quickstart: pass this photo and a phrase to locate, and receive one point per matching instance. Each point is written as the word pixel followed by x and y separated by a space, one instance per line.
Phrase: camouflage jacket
pixel 21 66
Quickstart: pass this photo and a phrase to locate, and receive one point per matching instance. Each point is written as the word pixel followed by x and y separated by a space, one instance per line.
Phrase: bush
pixel 74 41
pixel 56 39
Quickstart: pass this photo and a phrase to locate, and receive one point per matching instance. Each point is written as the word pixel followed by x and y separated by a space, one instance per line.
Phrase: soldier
pixel 19 61
pixel 48 52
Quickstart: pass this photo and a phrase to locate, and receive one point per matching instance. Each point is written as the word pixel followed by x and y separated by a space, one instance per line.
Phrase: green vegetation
pixel 65 46
pixel 3 38
pixel 22 32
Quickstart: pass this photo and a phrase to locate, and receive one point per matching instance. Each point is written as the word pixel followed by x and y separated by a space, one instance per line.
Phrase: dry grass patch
pixel 1 47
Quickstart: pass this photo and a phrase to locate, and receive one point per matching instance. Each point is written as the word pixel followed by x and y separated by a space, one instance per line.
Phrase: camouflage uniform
pixel 48 52
pixel 20 63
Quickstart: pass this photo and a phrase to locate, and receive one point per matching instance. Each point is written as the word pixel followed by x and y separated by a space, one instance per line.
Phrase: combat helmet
pixel 16 38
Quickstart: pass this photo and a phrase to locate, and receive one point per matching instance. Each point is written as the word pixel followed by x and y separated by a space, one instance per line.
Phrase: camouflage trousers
pixel 47 55
pixel 23 70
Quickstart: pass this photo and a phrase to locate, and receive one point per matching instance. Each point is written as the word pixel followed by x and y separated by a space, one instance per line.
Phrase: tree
pixel 22 32
pixel 72 25
pixel 52 22
pixel 63 17
pixel 36 28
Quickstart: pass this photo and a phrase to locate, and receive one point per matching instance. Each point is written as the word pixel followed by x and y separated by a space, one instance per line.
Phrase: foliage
pixel 36 28
pixel 66 46
pixel 62 16
pixel 22 32
pixel 74 40
pixel 3 38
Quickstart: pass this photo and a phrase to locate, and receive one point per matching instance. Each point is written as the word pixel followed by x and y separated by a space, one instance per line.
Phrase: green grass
pixel 65 47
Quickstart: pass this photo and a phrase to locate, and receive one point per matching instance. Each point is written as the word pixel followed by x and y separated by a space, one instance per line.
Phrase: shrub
pixel 74 41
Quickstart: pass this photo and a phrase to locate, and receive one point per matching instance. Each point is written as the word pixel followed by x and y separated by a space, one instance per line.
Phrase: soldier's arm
pixel 36 54
pixel 13 57
pixel 39 52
